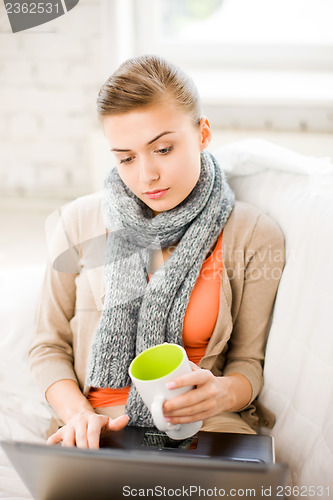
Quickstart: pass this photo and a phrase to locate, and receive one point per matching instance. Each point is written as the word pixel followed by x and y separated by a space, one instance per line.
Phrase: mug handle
pixel 158 417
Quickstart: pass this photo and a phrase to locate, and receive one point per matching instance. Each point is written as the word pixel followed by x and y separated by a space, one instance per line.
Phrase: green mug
pixel 150 371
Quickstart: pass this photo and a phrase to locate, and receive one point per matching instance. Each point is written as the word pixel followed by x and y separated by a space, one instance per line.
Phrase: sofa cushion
pixel 297 192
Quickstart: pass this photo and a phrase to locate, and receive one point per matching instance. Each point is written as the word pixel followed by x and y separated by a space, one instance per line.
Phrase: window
pixel 239 33
pixel 257 63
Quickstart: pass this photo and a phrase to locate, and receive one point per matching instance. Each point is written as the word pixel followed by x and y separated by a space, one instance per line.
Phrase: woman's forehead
pixel 144 125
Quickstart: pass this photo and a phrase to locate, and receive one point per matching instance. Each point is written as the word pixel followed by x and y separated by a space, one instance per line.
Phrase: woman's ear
pixel 205 132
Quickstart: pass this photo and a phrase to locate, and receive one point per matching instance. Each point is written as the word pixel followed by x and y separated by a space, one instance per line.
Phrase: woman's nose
pixel 148 172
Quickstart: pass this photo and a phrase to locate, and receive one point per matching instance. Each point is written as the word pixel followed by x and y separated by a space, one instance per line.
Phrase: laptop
pixel 144 462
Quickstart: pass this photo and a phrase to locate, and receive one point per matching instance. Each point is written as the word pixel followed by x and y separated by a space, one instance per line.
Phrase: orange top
pixel 199 322
pixel 203 307
pixel 99 398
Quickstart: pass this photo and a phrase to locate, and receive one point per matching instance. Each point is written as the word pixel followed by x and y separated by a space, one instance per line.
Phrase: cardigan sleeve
pixel 263 265
pixel 51 352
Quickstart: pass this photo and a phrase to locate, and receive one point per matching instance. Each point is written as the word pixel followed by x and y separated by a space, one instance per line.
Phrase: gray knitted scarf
pixel 138 314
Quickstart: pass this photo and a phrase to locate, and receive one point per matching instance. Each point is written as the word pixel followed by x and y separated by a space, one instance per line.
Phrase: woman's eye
pixel 126 160
pixel 164 151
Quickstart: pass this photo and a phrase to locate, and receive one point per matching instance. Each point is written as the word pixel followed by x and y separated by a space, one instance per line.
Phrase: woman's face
pixel 158 152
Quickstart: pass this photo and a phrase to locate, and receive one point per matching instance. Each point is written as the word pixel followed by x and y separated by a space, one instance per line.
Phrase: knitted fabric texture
pixel 138 314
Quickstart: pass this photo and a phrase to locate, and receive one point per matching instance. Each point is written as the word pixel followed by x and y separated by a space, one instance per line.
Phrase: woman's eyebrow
pixel 148 143
pixel 160 135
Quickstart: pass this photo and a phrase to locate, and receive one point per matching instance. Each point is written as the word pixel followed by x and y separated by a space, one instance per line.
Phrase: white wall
pixel 49 79
pixel 51 144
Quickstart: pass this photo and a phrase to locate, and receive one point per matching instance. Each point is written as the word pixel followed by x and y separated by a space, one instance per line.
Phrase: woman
pixel 183 263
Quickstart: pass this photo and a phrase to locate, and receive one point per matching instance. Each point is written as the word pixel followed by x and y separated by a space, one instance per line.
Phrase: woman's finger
pixel 201 394
pixel 56 437
pixel 207 405
pixel 196 377
pixel 203 415
pixel 94 428
pixel 118 423
pixel 194 366
pixel 186 405
pixel 80 432
pixel 68 436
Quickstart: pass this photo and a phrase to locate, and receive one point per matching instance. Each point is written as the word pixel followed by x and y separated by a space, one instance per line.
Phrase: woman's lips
pixel 157 193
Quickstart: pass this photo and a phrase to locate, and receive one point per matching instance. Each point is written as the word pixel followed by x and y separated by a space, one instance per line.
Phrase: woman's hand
pixel 211 396
pixel 84 429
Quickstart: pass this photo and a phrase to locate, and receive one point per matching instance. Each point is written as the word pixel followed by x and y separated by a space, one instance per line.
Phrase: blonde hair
pixel 148 80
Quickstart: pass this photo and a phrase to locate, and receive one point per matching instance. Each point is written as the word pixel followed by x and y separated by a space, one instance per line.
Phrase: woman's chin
pixel 160 206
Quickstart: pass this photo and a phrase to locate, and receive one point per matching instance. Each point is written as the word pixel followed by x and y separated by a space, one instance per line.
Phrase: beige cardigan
pixel 72 298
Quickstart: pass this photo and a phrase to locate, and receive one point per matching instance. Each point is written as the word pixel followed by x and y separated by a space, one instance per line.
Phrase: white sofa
pixel 296 191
